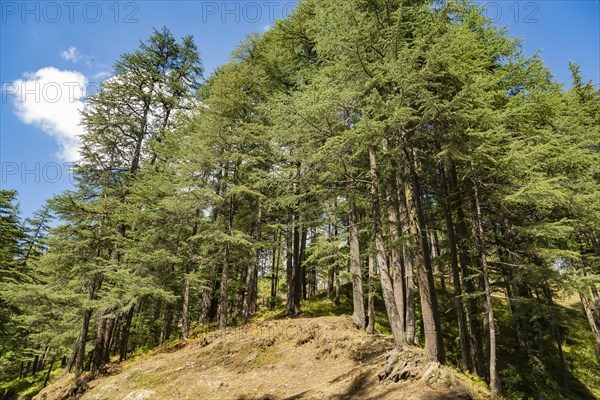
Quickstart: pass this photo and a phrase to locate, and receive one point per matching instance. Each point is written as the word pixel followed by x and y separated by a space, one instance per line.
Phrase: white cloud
pixel 102 75
pixel 71 54
pixel 52 100
pixel 266 28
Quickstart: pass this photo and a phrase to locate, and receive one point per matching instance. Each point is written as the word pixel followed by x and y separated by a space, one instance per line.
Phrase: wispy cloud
pixel 52 100
pixel 101 75
pixel 71 54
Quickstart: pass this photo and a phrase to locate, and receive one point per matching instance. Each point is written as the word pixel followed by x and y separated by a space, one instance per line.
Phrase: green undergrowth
pixel 26 388
pixel 535 373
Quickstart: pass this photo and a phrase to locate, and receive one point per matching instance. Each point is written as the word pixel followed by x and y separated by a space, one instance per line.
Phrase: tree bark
pixel 100 340
pixel 293 250
pixel 110 330
pixel 185 308
pixel 36 361
pixel 480 242
pixel 189 265
pixel 429 307
pixel 302 268
pixel 165 329
pixel 225 271
pixel 125 333
pixel 337 276
pixel 47 378
pixel 330 270
pixel 407 264
pixel 358 314
pixel 250 308
pixel 298 237
pixel 386 282
pixel 371 296
pixel 589 313
pixel 275 268
pixel 79 351
pixel 223 297
pixel 458 303
pixel 471 315
pixel 242 291
pixel 396 260
pixel 80 344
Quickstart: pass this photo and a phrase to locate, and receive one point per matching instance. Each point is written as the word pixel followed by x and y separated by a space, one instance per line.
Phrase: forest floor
pixel 279 358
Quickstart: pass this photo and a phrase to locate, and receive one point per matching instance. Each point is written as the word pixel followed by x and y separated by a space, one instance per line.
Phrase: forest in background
pixel 406 146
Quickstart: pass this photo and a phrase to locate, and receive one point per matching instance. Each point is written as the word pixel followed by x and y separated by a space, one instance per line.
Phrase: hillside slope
pixel 316 358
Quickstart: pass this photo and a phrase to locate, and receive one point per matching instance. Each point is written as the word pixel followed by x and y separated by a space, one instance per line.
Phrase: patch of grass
pixel 147 380
pixel 268 357
pixel 29 386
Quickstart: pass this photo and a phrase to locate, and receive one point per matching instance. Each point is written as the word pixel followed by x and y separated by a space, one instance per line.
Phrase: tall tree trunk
pixel 407 263
pixel 301 267
pixel 223 287
pixel 471 315
pixel 293 250
pixel 298 262
pixel 358 314
pixel 47 378
pixel 480 241
pixel 100 340
pixel 438 268
pixel 185 309
pixel 116 336
pixel 371 296
pixel 225 271
pixel 305 267
pixel 289 269
pixel 205 301
pixel 110 330
pixel 223 301
pixel 330 271
pixel 104 333
pixel 80 343
pixel 396 260
pixel 242 290
pixel 79 351
pixel 36 359
pixel 250 309
pixel 337 276
pixel 429 307
pixel 165 328
pixel 386 282
pixel 458 302
pixel 125 333
pixel 43 358
pixel 593 304
pixel 275 268
pixel 189 266
pixel 395 251
pixel 589 313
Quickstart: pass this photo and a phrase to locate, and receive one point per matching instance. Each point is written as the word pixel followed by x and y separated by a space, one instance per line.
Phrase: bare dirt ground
pixel 316 358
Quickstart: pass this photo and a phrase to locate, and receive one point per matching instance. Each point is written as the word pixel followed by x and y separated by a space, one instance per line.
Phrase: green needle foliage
pixel 408 147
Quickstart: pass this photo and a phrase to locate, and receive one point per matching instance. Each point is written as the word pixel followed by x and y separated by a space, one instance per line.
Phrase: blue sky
pixel 51 51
